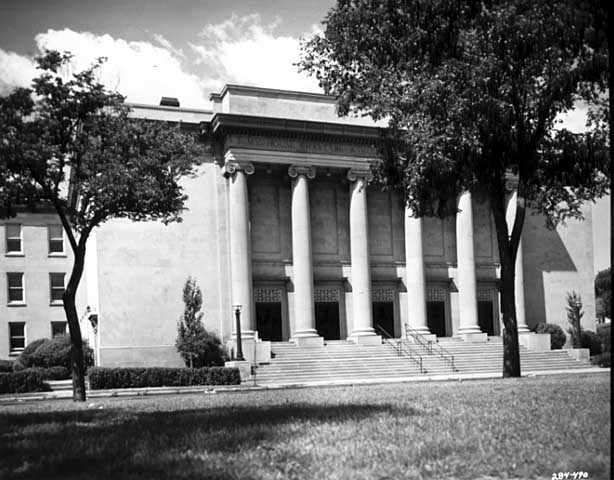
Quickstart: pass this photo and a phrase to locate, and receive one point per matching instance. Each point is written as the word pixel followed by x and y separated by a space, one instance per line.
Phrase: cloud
pixel 141 71
pixel 242 50
pixel 15 71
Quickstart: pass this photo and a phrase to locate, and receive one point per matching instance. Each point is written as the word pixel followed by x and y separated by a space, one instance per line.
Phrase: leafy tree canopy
pixel 197 346
pixel 69 144
pixel 603 293
pixel 472 91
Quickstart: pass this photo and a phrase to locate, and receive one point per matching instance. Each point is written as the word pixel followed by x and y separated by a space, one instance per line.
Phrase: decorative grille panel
pixel 267 295
pixel 435 295
pixel 382 295
pixel 484 295
pixel 326 295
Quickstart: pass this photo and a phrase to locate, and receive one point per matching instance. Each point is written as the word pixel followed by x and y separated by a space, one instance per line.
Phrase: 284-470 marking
pixel 567 475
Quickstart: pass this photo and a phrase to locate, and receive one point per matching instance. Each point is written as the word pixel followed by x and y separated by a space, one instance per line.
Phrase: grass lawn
pixel 519 428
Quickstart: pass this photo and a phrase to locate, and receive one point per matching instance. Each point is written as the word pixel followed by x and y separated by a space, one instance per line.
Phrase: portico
pixel 299 196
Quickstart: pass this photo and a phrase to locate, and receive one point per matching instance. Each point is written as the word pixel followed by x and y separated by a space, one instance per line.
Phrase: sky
pixel 185 49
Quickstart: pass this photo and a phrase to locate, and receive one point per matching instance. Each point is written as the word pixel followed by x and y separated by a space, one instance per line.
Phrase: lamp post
pixel 237 309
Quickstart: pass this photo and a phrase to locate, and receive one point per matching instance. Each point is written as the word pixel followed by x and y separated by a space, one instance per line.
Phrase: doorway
pixel 486 317
pixel 268 321
pixel 436 318
pixel 383 316
pixel 327 320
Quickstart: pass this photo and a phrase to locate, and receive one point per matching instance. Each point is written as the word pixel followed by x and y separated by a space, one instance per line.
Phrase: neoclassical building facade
pixel 283 220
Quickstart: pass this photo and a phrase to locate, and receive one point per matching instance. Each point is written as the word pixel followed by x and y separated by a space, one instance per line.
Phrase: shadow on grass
pixel 164 444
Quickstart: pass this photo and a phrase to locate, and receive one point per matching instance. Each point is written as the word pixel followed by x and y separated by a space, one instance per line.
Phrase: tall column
pixel 510 216
pixel 302 267
pixel 363 331
pixel 469 328
pixel 240 255
pixel 414 274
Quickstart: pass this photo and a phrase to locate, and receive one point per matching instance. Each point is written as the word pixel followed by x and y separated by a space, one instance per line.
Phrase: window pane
pixel 13 230
pixel 17 329
pixel 15 295
pixel 56 239
pixel 58 328
pixel 17 338
pixel 15 279
pixel 15 286
pixel 55 231
pixel 13 238
pixel 57 280
pixel 13 245
pixel 57 286
pixel 56 246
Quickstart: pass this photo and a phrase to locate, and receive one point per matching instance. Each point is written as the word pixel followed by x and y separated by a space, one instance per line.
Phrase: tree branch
pixel 66 224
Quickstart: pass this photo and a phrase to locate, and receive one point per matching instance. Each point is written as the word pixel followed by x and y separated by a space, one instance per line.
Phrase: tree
pixel 195 344
pixel 69 144
pixel 603 293
pixel 471 92
pixel 574 316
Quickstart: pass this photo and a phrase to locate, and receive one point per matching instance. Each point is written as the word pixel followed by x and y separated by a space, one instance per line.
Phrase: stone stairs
pixel 343 361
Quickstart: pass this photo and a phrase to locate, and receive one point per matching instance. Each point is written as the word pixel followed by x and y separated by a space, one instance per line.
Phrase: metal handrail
pixel 401 349
pixel 429 346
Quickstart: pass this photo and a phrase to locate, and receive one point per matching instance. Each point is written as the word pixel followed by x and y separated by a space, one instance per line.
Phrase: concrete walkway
pixel 249 386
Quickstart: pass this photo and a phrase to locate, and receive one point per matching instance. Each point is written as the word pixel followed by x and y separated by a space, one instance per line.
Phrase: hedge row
pixel 602 360
pixel 23 382
pixel 6 366
pixel 51 373
pixel 101 377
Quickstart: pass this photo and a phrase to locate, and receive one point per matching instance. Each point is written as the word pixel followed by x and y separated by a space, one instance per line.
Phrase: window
pixel 56 239
pixel 58 328
pixel 13 238
pixel 17 337
pixel 15 287
pixel 56 282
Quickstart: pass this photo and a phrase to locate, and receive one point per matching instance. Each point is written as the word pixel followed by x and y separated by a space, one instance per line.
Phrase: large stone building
pixel 282 219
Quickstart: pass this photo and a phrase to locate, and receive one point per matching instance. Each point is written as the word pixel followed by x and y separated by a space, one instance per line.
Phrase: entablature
pixel 287 141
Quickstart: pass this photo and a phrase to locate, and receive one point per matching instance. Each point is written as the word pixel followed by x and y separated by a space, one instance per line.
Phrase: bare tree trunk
pixel 76 340
pixel 511 352
pixel 508 247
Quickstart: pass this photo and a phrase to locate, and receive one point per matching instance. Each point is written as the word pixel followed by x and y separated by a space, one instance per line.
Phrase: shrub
pixel 101 377
pixel 557 335
pixel 604 332
pixel 603 360
pixel 22 360
pixel 6 366
pixel 51 352
pixel 22 382
pixel 603 293
pixel 198 347
pixel 591 341
pixel 574 317
pixel 51 373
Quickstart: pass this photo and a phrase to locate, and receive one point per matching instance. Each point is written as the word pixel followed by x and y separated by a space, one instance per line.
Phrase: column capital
pixel 231 166
pixel 356 173
pixel 295 170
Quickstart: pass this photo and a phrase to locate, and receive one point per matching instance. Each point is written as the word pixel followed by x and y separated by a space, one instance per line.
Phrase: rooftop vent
pixel 169 102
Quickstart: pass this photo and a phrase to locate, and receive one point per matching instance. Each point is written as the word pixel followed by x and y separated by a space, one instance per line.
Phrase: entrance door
pixel 383 316
pixel 485 317
pixel 327 320
pixel 268 320
pixel 436 318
